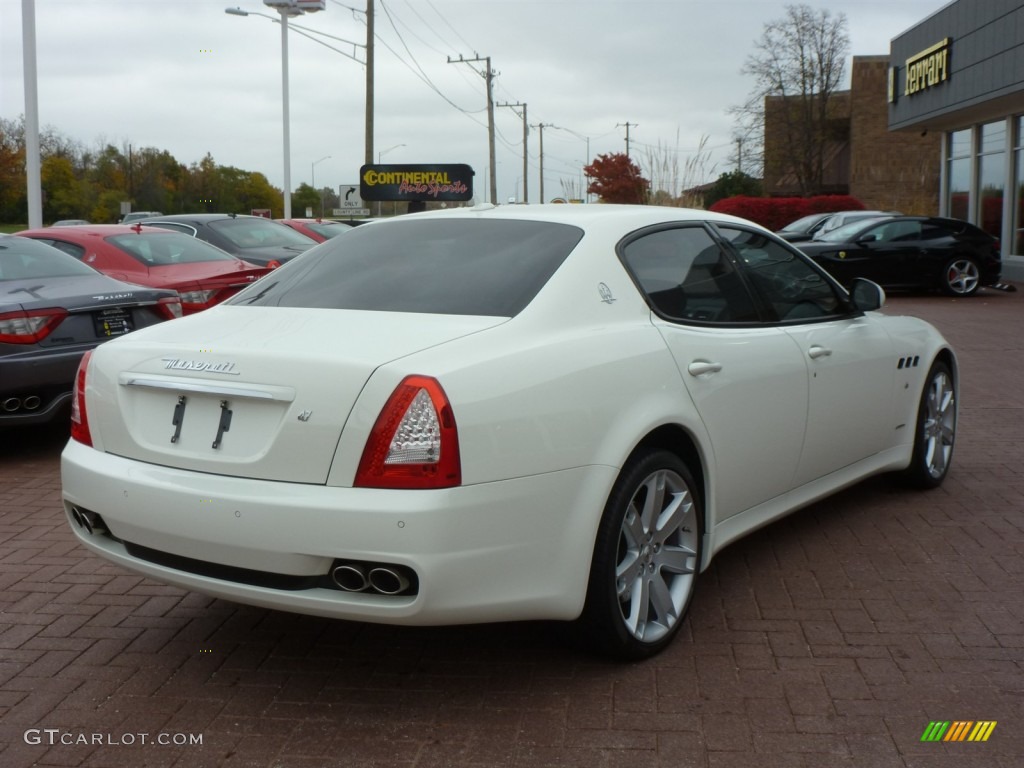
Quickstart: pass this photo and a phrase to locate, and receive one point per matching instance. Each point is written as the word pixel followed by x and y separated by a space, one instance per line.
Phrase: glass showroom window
pixel 992 178
pixel 1018 207
pixel 959 174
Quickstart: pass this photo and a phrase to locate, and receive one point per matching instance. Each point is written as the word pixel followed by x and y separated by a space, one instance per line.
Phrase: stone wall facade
pixel 889 170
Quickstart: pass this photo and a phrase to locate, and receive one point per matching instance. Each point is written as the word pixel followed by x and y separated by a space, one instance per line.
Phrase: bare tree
pixel 672 185
pixel 798 66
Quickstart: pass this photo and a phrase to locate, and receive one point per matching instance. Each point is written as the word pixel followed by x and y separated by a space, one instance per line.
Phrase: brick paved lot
pixel 831 638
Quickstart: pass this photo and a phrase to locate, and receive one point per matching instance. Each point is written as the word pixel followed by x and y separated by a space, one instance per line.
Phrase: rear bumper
pixel 511 550
pixel 44 374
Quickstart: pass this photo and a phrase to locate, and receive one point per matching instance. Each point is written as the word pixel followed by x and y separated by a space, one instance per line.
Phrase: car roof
pixel 203 218
pixel 589 217
pixel 96 230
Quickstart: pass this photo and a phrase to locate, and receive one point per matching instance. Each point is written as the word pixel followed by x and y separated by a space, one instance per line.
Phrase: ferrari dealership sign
pixel 416 182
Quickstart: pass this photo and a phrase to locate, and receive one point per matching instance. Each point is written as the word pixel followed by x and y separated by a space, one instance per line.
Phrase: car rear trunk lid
pixel 257 392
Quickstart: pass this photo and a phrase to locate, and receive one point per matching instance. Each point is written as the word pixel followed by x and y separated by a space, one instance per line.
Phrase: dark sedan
pixel 910 252
pixel 53 309
pixel 253 238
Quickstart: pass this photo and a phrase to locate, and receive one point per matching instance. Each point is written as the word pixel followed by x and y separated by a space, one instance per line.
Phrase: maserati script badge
pixel 200 366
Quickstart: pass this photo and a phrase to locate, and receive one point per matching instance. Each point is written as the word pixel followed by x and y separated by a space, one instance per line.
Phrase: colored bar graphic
pixel 958 730
pixel 982 730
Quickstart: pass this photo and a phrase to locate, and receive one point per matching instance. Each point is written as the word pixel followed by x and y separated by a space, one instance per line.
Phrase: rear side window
pixel 23 259
pixel 686 277
pixel 447 267
pixel 71 249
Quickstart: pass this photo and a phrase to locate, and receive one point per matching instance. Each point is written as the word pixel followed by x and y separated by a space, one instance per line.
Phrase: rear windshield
pixel 257 232
pixel 446 267
pixel 328 229
pixel 159 249
pixel 24 259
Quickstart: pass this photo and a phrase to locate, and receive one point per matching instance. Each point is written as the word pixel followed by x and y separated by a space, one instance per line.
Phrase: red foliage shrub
pixel 776 212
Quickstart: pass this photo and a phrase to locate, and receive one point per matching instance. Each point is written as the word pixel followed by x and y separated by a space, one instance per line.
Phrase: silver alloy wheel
pixel 656 560
pixel 962 277
pixel 939 424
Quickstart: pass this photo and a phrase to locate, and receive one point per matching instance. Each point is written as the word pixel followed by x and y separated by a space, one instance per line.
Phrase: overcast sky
pixel 183 76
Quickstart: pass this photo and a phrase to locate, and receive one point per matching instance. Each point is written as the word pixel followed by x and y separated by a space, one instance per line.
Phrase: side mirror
pixel 868 238
pixel 867 296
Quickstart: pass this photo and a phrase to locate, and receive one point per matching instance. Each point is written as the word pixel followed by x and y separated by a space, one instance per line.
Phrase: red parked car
pixel 317 229
pixel 201 273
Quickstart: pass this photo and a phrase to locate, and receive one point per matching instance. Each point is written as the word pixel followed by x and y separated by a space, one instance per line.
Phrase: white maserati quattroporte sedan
pixel 490 414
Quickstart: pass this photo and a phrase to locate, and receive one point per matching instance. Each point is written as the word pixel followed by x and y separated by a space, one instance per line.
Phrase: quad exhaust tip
pixel 88 521
pixel 27 403
pixel 380 578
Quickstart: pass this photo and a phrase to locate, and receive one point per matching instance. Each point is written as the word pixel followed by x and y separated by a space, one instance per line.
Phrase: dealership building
pixel 960 74
pixel 935 127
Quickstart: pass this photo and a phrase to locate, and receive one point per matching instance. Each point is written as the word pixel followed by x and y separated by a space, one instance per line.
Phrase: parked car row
pixel 258 240
pixel 810 227
pixel 68 288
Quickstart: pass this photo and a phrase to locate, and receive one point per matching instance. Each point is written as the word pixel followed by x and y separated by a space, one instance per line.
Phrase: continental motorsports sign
pixel 425 183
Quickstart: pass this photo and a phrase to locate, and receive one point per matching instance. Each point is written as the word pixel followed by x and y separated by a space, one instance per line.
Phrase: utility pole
pixel 488 75
pixel 368 159
pixel 627 134
pixel 526 131
pixel 540 127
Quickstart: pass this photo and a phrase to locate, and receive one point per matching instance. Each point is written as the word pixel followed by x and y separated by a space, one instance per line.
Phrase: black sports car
pixel 910 252
pixel 52 309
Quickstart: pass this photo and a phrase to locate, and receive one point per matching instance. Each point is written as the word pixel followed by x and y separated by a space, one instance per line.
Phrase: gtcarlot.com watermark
pixel 52 737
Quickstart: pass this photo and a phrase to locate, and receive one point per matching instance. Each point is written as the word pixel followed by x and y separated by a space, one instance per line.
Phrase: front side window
pixel 686 276
pixel 897 232
pixel 794 289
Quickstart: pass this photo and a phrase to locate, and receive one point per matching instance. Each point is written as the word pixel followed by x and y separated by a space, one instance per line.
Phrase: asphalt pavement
pixel 848 634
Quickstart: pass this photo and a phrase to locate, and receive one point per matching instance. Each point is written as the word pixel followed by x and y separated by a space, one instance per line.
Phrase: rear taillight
pixel 22 327
pixel 414 443
pixel 196 301
pixel 79 417
pixel 169 308
pixel 273 264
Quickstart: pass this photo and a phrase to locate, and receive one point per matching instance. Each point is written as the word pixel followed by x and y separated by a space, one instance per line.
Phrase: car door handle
pixel 700 367
pixel 817 351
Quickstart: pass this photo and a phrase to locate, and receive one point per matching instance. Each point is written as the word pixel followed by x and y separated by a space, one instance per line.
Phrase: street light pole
pixel 312 181
pixel 286 119
pixel 285 10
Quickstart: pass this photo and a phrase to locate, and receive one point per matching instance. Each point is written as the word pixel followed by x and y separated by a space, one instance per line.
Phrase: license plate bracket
pixel 115 321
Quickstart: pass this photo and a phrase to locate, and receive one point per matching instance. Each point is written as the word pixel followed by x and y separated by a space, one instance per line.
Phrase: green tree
pixel 61 191
pixel 305 197
pixel 617 179
pixel 13 205
pixel 731 184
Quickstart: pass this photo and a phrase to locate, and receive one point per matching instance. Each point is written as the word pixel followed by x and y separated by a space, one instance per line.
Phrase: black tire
pixel 934 430
pixel 646 559
pixel 961 277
